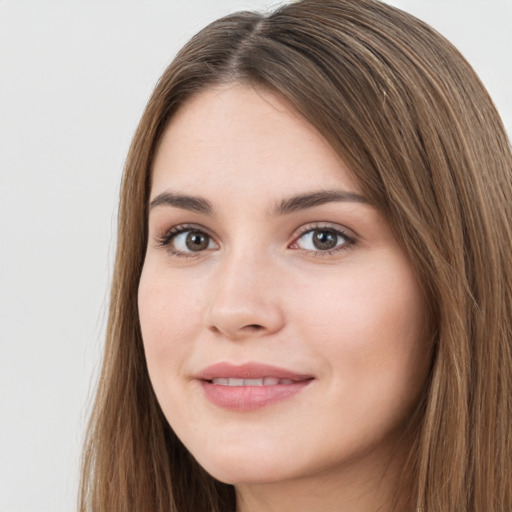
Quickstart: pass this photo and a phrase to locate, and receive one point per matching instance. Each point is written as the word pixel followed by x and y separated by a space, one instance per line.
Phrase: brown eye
pixel 187 241
pixel 197 241
pixel 323 240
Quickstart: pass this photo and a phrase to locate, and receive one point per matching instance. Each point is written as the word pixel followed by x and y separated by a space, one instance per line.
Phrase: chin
pixel 246 474
pixel 245 468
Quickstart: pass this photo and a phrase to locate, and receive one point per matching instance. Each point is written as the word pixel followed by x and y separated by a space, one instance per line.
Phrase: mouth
pixel 264 381
pixel 250 386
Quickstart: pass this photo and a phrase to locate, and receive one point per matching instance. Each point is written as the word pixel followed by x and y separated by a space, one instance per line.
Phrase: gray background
pixel 74 78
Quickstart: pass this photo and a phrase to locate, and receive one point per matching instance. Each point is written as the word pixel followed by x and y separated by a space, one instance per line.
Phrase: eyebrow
pixel 193 204
pixel 309 200
pixel 290 205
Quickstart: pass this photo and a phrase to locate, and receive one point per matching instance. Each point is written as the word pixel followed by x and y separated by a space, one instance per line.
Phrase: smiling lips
pixel 264 381
pixel 249 386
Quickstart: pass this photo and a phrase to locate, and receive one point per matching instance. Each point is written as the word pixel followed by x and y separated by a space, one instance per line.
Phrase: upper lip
pixel 249 371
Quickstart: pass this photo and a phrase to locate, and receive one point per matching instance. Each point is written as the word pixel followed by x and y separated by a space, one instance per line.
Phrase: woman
pixel 312 303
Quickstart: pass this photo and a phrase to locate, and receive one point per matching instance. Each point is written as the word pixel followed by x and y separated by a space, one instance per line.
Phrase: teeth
pixel 222 381
pixel 253 382
pixel 266 381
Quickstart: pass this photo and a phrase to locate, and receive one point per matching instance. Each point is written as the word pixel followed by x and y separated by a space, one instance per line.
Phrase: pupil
pixel 325 239
pixel 196 241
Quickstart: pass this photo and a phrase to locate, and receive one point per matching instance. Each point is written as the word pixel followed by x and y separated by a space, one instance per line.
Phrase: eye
pixel 186 240
pixel 193 241
pixel 323 240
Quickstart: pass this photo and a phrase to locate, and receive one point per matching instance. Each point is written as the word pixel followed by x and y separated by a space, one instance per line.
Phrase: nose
pixel 244 299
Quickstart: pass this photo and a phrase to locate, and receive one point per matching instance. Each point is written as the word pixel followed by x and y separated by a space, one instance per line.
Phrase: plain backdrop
pixel 74 79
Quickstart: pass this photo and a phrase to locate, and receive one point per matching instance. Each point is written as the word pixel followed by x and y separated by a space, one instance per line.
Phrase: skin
pixel 261 291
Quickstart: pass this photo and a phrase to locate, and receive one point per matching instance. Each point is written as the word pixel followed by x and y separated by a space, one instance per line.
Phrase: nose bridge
pixel 244 299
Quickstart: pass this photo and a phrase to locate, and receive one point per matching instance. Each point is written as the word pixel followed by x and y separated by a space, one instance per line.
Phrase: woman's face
pixel 283 325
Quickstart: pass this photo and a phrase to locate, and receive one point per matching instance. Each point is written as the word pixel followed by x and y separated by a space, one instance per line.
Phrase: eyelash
pixel 166 239
pixel 349 240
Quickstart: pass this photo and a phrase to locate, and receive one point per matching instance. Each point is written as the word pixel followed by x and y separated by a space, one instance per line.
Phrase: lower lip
pixel 250 398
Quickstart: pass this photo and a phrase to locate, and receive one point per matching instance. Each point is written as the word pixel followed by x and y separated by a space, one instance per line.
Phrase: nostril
pixel 254 327
pixel 249 328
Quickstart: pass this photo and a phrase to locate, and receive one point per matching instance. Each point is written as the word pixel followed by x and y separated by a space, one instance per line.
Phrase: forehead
pixel 237 139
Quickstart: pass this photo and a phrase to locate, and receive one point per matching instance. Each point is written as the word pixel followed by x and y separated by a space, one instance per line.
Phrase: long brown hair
pixel 411 119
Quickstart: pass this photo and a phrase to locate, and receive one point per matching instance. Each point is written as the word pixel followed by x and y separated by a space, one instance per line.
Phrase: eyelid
pixel 167 236
pixel 310 226
pixel 345 233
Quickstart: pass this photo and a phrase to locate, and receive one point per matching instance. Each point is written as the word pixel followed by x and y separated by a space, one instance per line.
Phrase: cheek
pixel 371 327
pixel 168 317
